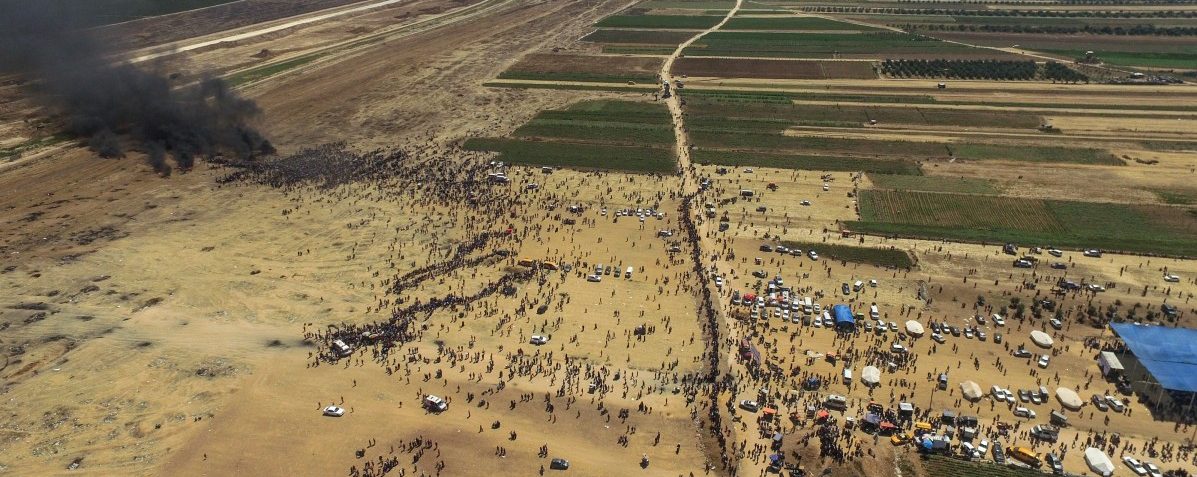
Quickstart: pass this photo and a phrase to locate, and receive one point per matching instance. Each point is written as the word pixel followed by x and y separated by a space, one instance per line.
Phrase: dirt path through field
pixel 708 258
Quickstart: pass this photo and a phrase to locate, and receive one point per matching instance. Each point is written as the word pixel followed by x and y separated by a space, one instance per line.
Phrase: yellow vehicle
pixel 899 439
pixel 1024 455
pixel 526 262
pixel 549 265
pixel 922 427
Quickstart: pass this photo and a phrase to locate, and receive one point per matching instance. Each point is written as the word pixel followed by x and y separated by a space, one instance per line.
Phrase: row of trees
pixel 1137 30
pixel 1061 2
pixel 982 69
pixel 957 12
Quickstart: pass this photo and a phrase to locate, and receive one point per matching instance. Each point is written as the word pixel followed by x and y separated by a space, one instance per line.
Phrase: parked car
pixel 1115 404
pixel 1044 360
pixel 1153 469
pixel 559 464
pixel 1024 412
pixel 1056 324
pixel 1135 465
pixel 1021 353
pixel 1100 403
pixel 1055 463
pixel 334 411
pixel 750 406
pixel 1059 266
pixel 539 340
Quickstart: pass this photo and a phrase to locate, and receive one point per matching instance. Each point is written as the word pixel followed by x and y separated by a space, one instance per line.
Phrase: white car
pixel 435 404
pixel 1096 288
pixel 1135 465
pixel 719 282
pixel 1153 469
pixel 334 411
pixel 983 447
pixel 1044 360
pixel 998 393
pixel 998 320
pixel 1024 412
pixel 1170 278
pixel 539 340
pixel 813 255
pixel 594 277
pixel 938 338
pixel 1056 324
pixel 1115 404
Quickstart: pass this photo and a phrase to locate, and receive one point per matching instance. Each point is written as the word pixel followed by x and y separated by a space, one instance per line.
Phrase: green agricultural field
pixel 713 5
pixel 620 135
pixel 638 37
pixel 858 116
pixel 1177 196
pixel 676 22
pixel 805 162
pixel 881 257
pixel 1181 60
pixel 992 219
pixel 791 23
pixel 962 185
pixel 577 155
pixel 825 45
pixel 605 122
pixel 1045 154
pixel 638 50
pixel 739 139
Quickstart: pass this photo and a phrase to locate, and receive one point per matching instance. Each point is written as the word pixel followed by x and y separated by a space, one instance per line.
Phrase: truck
pixel 807 305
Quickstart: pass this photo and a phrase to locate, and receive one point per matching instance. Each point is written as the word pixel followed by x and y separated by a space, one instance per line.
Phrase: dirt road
pixel 257 32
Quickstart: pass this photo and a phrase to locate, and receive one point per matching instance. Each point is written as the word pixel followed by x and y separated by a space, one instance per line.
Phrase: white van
pixel 847 375
pixel 807 305
pixel 836 401
pixel 341 348
pixel 859 285
pixel 874 313
pixel 628 273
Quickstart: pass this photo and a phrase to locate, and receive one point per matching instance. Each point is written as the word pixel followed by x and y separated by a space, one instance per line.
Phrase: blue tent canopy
pixel 843 316
pixel 1169 354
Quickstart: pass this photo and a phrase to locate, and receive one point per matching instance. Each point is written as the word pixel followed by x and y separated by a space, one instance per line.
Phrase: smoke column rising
pixel 113 103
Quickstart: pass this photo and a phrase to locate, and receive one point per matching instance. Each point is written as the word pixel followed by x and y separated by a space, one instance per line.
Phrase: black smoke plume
pixel 112 104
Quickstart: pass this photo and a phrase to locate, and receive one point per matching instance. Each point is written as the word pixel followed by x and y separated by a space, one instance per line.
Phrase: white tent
pixel 870 375
pixel 914 328
pixel 1042 339
pixel 1069 398
pixel 971 390
pixel 1099 462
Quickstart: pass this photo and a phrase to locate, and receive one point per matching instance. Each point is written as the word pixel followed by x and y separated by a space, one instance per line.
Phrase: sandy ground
pixel 170 326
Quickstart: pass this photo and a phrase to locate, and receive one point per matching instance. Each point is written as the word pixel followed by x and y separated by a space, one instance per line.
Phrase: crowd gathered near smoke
pixel 115 106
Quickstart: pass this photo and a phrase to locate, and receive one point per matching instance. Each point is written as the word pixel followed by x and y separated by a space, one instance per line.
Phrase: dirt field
pixel 584 67
pixel 781 69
